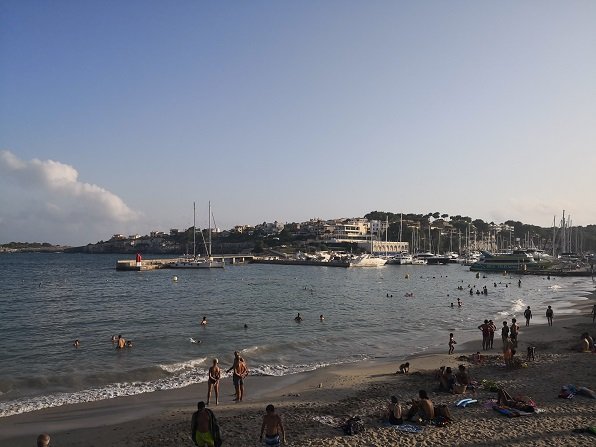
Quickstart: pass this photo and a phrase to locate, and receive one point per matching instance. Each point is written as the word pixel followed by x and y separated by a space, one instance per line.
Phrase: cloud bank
pixel 44 200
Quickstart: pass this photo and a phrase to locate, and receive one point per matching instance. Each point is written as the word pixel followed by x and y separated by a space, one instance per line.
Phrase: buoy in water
pixel 174 278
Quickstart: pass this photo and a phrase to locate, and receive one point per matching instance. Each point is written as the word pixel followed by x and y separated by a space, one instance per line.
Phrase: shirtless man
pixel 422 408
pixel 240 373
pixel 121 343
pixel 213 382
pixel 528 315
pixel 273 428
pixel 235 379
pixel 491 333
pixel 504 332
pixel 484 327
pixel 513 332
pixel 201 426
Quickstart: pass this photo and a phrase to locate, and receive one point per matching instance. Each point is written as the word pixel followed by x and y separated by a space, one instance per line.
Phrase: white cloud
pixel 44 199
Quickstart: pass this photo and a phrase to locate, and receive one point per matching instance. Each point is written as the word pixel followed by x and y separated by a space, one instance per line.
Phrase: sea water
pixel 49 300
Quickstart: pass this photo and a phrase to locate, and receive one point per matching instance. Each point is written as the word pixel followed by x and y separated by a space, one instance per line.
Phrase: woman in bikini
pixel 213 382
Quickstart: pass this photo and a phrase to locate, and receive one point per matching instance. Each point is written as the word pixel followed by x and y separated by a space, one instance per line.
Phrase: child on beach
pixel 451 343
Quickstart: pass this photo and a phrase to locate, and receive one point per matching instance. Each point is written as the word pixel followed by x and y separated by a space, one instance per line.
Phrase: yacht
pixel 515 260
pixel 400 259
pixel 367 260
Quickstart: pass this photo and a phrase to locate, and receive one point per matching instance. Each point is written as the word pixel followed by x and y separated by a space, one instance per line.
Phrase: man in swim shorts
pixel 204 427
pixel 121 342
pixel 273 428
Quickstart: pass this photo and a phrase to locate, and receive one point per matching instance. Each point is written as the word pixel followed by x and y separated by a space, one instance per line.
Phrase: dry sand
pixel 313 404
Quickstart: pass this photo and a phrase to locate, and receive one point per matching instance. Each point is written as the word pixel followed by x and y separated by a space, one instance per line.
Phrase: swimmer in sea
pixel 245 326
pixel 121 342
pixel 321 317
pixel 298 318
pixel 76 343
pixel 204 322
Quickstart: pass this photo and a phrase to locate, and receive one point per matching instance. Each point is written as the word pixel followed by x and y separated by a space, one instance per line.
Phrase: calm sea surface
pixel 48 300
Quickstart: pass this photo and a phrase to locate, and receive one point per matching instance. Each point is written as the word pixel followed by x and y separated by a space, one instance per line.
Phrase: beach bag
pixel 353 426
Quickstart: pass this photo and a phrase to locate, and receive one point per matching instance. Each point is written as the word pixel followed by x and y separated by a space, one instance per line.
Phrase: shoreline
pixel 126 420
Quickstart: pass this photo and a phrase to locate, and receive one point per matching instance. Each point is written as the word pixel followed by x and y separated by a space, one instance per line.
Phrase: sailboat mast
pixel 194 230
pixel 210 229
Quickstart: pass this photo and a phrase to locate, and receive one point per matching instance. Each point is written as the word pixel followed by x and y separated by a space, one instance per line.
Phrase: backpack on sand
pixel 353 426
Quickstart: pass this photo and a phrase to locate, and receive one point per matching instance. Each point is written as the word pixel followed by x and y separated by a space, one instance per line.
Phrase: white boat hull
pixel 367 261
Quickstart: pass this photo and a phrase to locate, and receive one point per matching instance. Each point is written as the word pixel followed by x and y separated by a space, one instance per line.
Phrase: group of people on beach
pixel 239 371
pixel 205 430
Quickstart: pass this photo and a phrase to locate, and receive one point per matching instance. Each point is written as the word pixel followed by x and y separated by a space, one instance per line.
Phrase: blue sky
pixel 116 116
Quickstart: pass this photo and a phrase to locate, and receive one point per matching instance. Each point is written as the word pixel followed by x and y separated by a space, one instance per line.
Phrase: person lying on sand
pixel 519 403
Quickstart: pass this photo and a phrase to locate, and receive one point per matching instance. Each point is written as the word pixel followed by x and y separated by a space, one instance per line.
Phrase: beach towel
pixel 408 428
pixel 331 421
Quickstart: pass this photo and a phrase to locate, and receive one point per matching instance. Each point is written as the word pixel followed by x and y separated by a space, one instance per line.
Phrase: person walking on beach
pixel 513 332
pixel 485 334
pixel 549 316
pixel 204 427
pixel 273 428
pixel 452 343
pixel 528 315
pixel 504 332
pixel 213 382
pixel 43 440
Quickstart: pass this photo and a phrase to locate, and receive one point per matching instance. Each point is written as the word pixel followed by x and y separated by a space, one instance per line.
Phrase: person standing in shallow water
pixel 452 343
pixel 549 315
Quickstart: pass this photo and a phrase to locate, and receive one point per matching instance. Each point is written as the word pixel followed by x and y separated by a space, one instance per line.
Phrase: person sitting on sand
pixel 273 428
pixel 298 318
pixel 462 376
pixel 476 358
pixel 404 368
pixel 43 440
pixel 447 380
pixel 421 409
pixel 395 417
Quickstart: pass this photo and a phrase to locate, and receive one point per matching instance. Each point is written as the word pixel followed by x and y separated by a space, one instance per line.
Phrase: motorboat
pixel 367 260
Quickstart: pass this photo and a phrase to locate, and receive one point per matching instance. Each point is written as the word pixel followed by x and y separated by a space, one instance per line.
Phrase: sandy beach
pixel 314 404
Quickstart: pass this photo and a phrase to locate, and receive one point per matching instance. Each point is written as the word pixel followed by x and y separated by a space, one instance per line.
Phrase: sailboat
pixel 197 262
